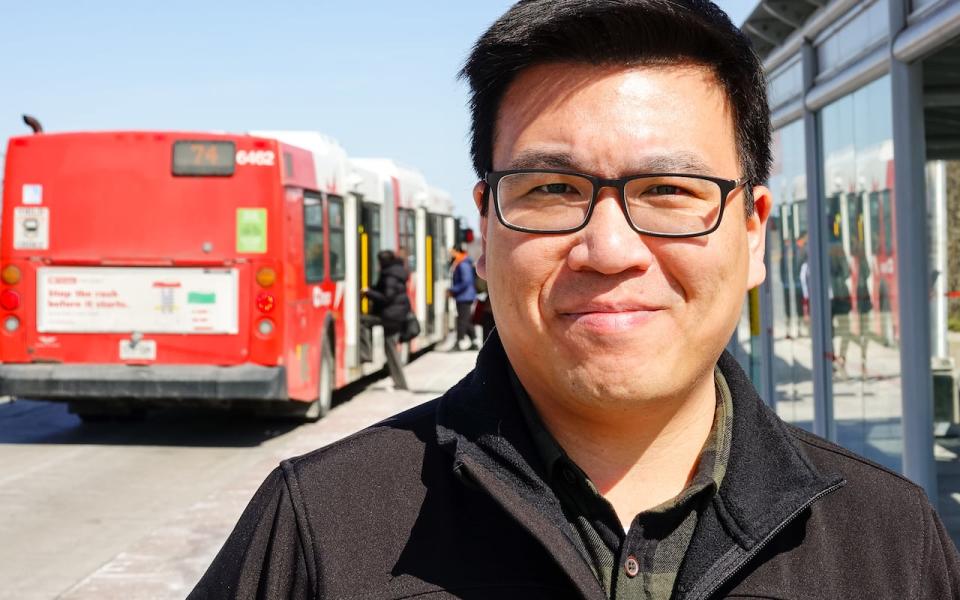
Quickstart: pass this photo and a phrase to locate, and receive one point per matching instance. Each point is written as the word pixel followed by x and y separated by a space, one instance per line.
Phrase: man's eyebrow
pixel 535 159
pixel 679 162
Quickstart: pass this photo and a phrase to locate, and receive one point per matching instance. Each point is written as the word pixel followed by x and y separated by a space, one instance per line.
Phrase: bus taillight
pixel 9 300
pixel 266 277
pixel 265 302
pixel 11 323
pixel 11 275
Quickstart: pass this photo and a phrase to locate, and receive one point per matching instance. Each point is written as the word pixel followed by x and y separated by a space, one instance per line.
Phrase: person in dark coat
pixel 464 292
pixel 391 305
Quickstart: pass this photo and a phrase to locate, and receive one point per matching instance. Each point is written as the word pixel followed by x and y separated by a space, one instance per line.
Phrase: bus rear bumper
pixel 150 382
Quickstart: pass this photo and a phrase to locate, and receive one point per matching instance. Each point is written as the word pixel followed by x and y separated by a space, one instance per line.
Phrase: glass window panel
pixel 439 246
pixel 850 40
pixel 338 248
pixel 861 277
pixel 788 274
pixel 371 226
pixel 408 237
pixel 943 212
pixel 785 85
pixel 313 239
pixel 918 4
pixel 748 338
pixel 742 344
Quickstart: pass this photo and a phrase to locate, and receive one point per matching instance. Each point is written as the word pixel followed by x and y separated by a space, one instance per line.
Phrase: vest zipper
pixel 762 543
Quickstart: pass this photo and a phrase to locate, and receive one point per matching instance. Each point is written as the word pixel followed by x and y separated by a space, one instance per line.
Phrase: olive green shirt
pixel 643 562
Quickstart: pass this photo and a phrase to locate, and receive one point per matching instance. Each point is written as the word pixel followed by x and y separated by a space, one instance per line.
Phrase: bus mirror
pixel 33 124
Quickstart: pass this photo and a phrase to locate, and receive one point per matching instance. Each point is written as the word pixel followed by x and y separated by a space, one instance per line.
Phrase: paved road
pixel 138 510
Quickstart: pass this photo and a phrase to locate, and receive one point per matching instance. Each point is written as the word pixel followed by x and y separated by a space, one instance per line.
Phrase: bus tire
pixel 309 412
pixel 320 407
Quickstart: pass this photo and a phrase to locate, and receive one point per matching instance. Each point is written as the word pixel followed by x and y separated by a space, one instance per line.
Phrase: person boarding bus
pixel 391 305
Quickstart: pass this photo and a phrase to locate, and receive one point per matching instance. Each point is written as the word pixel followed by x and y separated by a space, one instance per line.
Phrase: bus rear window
pixel 197 158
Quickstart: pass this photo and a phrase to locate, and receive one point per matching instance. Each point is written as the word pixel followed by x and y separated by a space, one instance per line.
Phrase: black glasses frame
pixel 727 186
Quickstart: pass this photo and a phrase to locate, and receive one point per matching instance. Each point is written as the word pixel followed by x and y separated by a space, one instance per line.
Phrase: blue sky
pixel 380 76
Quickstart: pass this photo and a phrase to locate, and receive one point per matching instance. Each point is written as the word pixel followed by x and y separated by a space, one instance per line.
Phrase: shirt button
pixel 632 567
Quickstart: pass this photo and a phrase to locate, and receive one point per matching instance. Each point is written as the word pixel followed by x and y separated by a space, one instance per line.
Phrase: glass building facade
pixel 855 334
pixel 857 150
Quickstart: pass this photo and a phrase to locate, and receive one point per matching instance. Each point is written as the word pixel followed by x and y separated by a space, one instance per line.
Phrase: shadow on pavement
pixel 41 422
pixel 38 422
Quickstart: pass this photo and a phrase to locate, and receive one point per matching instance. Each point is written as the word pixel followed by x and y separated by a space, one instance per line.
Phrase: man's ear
pixel 481 194
pixel 757 235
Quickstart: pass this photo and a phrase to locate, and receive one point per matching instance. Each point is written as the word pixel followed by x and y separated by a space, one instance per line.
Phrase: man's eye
pixel 556 188
pixel 666 190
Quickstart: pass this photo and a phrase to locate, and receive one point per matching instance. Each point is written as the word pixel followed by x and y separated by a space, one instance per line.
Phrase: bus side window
pixel 338 244
pixel 408 236
pixel 313 238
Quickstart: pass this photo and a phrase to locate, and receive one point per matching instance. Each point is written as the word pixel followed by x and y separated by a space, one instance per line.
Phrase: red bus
pixel 143 268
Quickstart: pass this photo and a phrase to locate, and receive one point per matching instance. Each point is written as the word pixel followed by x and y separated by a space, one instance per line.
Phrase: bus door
pixel 368 246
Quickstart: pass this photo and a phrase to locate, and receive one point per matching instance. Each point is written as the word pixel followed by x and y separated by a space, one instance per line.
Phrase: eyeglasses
pixel 670 205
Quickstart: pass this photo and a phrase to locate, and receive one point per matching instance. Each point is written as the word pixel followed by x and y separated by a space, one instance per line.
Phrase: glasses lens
pixel 544 201
pixel 673 205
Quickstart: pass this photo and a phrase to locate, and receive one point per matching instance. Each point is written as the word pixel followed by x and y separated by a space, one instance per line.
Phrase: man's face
pixel 605 317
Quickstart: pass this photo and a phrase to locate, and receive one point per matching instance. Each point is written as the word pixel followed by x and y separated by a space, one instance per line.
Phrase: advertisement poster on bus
pixel 129 299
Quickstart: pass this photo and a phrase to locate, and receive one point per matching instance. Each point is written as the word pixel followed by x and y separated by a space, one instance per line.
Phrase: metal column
pixel 909 155
pixel 821 328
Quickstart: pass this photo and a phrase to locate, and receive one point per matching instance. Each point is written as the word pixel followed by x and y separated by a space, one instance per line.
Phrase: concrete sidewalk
pixel 169 561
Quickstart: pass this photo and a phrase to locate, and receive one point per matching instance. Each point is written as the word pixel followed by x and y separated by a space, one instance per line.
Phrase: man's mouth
pixel 610 317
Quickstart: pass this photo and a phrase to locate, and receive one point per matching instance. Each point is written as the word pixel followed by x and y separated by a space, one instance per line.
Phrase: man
pixel 604 446
pixel 464 293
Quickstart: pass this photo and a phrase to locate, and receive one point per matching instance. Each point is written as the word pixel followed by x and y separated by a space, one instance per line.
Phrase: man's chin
pixel 627 357
pixel 615 390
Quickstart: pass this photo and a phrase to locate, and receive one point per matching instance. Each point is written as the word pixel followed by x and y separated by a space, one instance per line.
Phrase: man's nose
pixel 608 244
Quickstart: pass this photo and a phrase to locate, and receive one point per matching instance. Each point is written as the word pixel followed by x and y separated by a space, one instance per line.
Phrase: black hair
pixel 386 257
pixel 628 32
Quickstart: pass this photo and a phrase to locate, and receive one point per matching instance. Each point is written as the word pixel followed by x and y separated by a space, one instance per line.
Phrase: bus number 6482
pixel 257 158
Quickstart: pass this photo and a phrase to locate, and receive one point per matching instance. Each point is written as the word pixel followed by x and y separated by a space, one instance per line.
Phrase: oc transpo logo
pixel 321 297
